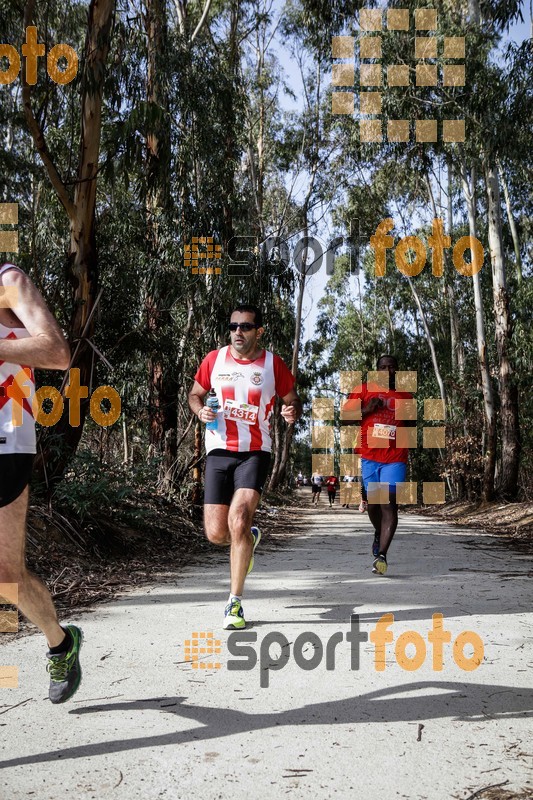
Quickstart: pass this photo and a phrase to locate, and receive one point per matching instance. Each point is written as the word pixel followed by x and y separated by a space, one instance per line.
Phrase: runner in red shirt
pixel 331 486
pixel 246 379
pixel 382 461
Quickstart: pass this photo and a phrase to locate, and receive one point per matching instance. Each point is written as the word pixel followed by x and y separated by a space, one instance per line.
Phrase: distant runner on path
pixel 382 461
pixel 246 379
pixel 316 487
pixel 331 486
pixel 29 337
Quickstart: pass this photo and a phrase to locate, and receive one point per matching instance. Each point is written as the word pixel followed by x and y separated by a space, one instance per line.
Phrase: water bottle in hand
pixel 213 404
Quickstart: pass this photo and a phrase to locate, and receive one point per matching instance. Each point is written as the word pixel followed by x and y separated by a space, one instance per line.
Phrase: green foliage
pixel 92 489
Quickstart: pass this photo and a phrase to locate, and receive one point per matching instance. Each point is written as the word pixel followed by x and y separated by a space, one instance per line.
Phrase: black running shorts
pixel 15 474
pixel 225 472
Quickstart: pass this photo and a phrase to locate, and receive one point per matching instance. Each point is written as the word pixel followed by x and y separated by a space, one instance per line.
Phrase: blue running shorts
pixel 377 472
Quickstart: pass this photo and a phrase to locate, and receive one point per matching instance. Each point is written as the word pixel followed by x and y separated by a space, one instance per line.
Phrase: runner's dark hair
pixel 387 355
pixel 245 308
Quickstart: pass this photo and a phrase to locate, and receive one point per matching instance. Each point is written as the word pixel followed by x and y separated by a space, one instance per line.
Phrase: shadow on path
pixel 459 701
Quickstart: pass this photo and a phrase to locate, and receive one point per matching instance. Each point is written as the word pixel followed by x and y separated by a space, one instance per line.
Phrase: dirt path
pixel 146 724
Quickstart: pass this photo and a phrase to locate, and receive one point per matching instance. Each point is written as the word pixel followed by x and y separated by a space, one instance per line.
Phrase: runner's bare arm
pixel 46 347
pixel 197 405
pixel 291 409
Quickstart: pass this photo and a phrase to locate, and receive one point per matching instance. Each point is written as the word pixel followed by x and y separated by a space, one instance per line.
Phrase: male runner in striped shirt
pixel 29 337
pixel 247 380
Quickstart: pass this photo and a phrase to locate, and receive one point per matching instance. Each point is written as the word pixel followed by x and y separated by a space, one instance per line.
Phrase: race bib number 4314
pixel 240 412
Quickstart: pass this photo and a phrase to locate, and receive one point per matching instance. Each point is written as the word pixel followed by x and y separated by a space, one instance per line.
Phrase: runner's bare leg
pixel 241 515
pixel 34 599
pixel 374 512
pixel 231 525
pixel 389 523
pixel 216 523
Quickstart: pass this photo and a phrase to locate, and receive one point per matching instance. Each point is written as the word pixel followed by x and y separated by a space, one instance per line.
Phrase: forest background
pixel 181 123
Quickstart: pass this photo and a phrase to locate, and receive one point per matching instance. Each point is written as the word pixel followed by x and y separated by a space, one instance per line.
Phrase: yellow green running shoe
pixel 256 536
pixel 64 669
pixel 234 616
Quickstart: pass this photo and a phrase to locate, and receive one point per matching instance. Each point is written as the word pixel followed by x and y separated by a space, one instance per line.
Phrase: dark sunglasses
pixel 244 326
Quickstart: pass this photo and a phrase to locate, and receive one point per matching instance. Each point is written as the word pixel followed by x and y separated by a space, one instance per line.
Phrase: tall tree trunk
pixel 429 339
pixel 162 385
pixel 197 470
pixel 512 226
pixel 282 444
pixel 508 484
pixel 82 262
pixel 474 17
pixel 458 353
pixel 486 385
pixel 228 180
pixel 457 400
pixel 434 361
pixel 279 473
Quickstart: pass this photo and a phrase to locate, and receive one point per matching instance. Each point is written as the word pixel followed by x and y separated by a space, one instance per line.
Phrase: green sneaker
pixel 256 536
pixel 65 670
pixel 234 616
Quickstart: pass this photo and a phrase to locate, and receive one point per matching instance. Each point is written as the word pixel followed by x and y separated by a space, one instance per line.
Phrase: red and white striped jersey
pixel 246 392
pixel 15 438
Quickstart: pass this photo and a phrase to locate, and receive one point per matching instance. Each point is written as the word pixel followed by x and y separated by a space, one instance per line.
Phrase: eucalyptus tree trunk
pixel 508 483
pixel 82 261
pixel 486 384
pixel 162 385
pixel 458 353
pixel 458 401
pixel 512 226
pixel 434 361
pixel 281 461
pixel 228 127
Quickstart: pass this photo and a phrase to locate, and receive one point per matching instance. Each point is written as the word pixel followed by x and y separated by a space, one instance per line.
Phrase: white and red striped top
pixel 15 438
pixel 247 385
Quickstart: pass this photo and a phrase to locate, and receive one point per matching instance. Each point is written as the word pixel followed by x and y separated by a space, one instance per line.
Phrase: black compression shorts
pixel 15 474
pixel 226 471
